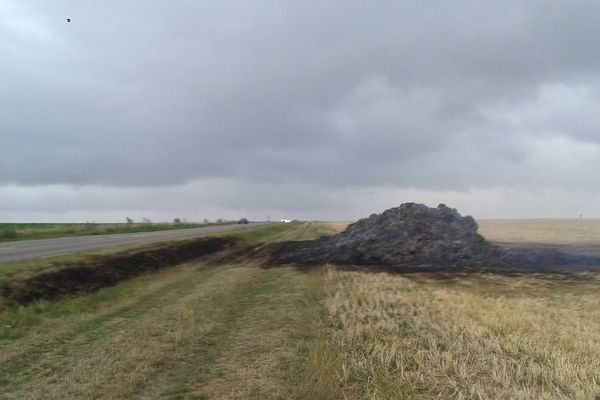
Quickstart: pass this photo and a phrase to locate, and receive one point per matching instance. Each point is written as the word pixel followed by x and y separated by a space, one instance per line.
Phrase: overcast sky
pixel 299 109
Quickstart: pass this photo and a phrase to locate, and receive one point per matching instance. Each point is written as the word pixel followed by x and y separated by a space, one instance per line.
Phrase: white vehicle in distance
pixel 286 220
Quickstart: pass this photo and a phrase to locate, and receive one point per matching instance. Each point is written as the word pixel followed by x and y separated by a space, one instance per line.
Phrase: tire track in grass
pixel 281 236
pixel 306 231
pixel 163 339
pixel 263 358
pixel 245 319
pixel 116 364
pixel 55 320
pixel 296 232
pixel 22 366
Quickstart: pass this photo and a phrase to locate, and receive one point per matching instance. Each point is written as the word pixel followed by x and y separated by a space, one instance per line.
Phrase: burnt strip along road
pixel 30 249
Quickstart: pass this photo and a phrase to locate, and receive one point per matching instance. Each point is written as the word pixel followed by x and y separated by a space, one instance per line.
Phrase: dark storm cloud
pixel 446 95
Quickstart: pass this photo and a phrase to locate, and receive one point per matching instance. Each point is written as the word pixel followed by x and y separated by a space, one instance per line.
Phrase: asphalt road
pixel 30 249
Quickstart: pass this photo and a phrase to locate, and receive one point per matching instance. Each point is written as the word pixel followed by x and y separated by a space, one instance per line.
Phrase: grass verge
pixel 14 232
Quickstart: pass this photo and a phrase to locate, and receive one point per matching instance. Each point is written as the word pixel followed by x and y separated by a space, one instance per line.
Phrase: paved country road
pixel 29 249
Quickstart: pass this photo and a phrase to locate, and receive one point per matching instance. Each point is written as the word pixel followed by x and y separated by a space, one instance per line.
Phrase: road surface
pixel 30 249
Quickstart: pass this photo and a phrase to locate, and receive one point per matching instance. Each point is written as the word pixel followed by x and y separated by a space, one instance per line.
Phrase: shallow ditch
pixel 102 271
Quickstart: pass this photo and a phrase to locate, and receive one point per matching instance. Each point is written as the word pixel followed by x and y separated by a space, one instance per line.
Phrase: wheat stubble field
pixel 234 330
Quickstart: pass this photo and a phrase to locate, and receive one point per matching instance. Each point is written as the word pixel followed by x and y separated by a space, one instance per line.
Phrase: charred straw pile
pixel 416 236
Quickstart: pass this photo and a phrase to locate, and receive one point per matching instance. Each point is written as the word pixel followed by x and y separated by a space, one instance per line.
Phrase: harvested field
pixel 552 232
pixel 223 327
pixel 480 337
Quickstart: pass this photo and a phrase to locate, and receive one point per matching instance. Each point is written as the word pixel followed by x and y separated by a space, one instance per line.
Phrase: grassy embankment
pixel 199 331
pixel 13 232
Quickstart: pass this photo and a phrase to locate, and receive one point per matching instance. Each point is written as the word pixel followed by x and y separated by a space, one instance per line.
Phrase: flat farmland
pixel 542 231
pixel 579 236
pixel 228 328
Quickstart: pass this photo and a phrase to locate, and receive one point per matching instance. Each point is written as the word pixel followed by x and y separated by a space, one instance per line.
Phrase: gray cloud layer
pixel 340 94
